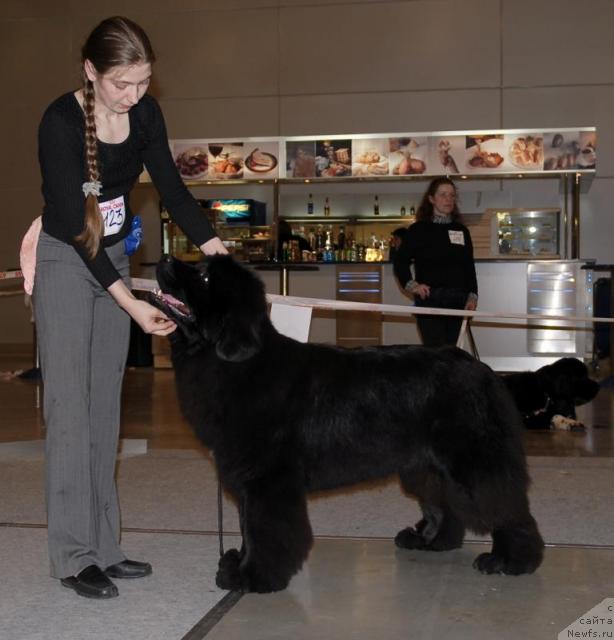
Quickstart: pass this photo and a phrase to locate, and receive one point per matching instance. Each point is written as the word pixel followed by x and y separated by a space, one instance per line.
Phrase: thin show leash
pixel 220 515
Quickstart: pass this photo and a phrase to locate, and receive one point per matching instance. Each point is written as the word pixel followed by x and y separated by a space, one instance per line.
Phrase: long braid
pixel 93 224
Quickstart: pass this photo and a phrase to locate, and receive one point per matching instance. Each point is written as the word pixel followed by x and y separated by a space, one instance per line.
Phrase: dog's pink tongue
pixel 171 299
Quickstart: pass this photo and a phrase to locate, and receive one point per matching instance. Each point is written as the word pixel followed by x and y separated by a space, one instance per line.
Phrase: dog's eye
pixel 204 277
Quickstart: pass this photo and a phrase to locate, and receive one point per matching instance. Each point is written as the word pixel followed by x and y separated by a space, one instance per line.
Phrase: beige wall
pixel 288 67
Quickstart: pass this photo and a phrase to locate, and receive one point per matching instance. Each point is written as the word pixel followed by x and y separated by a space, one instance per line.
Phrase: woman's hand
pixel 471 305
pixel 150 319
pixel 421 290
pixel 213 246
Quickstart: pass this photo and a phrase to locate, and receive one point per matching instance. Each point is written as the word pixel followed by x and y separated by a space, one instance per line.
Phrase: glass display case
pixel 526 233
pixel 247 242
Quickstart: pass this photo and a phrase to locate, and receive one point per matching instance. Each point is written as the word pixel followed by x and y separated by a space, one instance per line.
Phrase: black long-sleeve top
pixel 442 255
pixel 61 139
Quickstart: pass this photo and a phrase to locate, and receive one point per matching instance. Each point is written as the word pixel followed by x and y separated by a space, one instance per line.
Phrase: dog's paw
pixel 490 563
pixel 228 575
pixel 409 539
pixel 561 423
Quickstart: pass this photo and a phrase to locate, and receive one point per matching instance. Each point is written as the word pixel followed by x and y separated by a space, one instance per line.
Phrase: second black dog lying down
pixel 284 418
pixel 547 398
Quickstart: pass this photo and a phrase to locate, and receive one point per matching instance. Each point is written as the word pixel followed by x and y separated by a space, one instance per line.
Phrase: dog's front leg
pixel 228 573
pixel 276 535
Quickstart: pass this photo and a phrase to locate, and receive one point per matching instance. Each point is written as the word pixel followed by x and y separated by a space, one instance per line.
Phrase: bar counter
pixel 544 287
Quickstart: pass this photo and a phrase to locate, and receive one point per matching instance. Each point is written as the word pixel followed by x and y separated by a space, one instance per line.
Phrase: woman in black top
pixel 93 143
pixel 439 248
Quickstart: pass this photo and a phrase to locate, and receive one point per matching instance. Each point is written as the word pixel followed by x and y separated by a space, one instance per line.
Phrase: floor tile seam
pixel 236 534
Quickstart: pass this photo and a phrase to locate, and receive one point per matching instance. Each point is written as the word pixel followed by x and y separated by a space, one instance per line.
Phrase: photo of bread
pixel 370 157
pixel 570 150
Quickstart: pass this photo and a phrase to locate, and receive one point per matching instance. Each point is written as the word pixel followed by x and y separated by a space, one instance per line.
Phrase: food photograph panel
pixel 191 159
pixel 570 150
pixel 446 154
pixel 225 160
pixel 525 152
pixel 408 156
pixel 301 159
pixel 333 158
pixel 484 153
pixel 370 157
pixel 261 160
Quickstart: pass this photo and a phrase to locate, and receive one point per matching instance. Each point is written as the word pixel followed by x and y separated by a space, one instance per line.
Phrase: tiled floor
pixel 365 589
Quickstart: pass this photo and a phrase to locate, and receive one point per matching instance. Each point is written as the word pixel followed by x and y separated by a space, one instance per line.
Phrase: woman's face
pixel 121 88
pixel 444 199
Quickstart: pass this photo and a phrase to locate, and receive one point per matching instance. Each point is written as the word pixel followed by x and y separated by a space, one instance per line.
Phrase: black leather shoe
pixel 129 569
pixel 91 583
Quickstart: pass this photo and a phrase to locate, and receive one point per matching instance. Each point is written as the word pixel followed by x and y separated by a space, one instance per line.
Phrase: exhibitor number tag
pixel 456 237
pixel 113 213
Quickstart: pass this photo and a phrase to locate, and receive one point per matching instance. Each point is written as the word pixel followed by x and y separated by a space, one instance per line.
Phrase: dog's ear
pixel 237 310
pixel 238 339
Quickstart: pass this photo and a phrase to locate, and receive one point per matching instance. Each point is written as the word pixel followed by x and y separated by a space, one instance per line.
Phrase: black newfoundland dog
pixel 547 398
pixel 285 418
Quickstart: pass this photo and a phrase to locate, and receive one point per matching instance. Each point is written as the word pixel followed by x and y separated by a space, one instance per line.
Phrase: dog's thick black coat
pixel 285 418
pixel 553 390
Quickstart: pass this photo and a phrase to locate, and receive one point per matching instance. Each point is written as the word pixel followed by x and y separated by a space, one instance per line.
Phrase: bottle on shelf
pixel 320 242
pixel 311 238
pixel 341 239
pixel 310 205
pixel 353 252
pixel 403 211
pixel 327 207
pixel 412 210
pixel 376 206
pixel 329 253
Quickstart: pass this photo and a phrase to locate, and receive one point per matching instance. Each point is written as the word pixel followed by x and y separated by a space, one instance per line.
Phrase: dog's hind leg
pixel 276 536
pixel 439 529
pixel 516 549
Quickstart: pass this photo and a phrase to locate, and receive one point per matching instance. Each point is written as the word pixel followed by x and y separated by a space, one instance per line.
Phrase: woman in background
pixel 438 247
pixel 93 143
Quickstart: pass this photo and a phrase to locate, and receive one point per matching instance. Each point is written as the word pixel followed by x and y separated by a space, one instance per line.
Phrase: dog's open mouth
pixel 172 305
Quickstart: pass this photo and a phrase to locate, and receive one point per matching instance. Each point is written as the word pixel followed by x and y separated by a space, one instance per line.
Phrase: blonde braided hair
pixel 93 224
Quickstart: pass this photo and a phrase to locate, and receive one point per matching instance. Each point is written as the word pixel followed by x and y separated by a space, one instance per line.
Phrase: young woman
pixel 93 143
pixel 439 248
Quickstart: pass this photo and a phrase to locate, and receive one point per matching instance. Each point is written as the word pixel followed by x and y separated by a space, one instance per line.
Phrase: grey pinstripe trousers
pixel 83 340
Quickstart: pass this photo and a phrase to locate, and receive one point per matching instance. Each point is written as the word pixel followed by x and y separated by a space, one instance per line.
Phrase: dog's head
pixel 568 385
pixel 215 302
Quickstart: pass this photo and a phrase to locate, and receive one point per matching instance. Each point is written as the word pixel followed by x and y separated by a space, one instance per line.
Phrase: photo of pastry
pixel 484 152
pixel 333 158
pixel 526 151
pixel 408 156
pixel 300 159
pixel 261 160
pixel 191 159
pixel 370 157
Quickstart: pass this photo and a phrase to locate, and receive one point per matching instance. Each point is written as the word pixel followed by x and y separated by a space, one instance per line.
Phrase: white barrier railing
pixel 394 309
pixel 145 284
